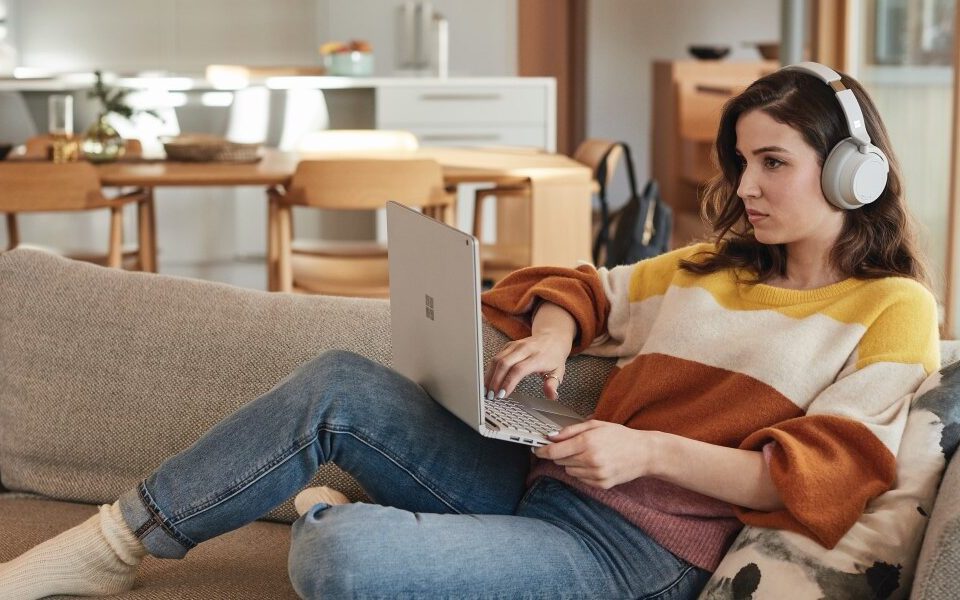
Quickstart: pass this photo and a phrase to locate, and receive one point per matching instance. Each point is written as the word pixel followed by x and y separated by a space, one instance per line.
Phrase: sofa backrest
pixel 105 373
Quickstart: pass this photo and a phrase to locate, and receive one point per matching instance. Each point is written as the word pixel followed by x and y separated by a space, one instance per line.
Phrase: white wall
pixel 175 35
pixel 624 37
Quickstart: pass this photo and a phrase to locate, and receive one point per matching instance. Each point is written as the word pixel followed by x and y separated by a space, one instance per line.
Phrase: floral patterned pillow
pixel 873 560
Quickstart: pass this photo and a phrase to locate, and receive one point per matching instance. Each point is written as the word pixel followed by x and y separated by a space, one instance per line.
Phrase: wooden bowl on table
pixel 209 148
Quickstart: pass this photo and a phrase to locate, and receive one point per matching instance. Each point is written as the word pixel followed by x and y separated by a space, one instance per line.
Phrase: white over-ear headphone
pixel 855 171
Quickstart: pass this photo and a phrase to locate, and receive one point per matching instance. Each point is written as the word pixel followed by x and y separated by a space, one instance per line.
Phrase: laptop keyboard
pixel 513 415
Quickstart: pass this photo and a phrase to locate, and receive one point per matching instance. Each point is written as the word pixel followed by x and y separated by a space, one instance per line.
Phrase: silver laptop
pixel 436 328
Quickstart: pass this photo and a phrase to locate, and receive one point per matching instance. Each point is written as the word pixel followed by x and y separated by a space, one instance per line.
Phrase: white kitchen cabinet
pixel 518 112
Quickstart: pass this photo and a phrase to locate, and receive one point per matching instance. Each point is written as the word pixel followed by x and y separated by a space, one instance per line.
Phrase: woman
pixel 762 379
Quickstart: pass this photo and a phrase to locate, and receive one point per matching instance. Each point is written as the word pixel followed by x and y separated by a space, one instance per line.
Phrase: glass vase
pixel 102 143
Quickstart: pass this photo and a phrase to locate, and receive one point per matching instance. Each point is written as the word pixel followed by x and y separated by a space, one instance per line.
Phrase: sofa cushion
pixel 250 562
pixel 878 556
pixel 105 373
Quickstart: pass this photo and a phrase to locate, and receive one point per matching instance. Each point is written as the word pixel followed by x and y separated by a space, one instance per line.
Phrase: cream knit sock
pixel 99 557
pixel 311 496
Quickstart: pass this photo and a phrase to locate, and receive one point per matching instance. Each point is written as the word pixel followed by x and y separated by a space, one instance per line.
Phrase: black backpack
pixel 641 228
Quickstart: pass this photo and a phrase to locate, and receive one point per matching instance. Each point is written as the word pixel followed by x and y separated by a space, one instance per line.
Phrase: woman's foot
pixel 99 557
pixel 312 496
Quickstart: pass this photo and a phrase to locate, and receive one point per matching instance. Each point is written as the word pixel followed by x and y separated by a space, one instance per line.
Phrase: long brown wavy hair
pixel 877 240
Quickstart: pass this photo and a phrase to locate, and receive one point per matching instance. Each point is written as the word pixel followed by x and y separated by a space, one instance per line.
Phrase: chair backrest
pixel 358 140
pixel 367 183
pixel 591 151
pixel 38 146
pixel 27 186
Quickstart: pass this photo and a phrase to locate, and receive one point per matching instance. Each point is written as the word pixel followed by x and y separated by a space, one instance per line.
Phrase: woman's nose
pixel 748 187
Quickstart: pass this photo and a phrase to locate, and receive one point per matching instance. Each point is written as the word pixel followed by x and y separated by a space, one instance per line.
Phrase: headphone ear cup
pixel 853 177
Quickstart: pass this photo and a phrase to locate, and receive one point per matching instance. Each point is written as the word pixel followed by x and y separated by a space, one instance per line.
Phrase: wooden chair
pixel 38 147
pixel 346 268
pixel 506 255
pixel 27 187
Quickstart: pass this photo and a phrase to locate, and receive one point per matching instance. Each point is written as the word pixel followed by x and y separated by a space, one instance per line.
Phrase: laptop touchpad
pixel 560 420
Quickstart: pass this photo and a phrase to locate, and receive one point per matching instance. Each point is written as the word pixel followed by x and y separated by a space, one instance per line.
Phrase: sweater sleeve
pixel 830 463
pixel 510 305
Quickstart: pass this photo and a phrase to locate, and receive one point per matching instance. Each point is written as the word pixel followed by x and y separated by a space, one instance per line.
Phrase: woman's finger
pixel 551 383
pixel 503 366
pixel 571 431
pixel 583 473
pixel 518 372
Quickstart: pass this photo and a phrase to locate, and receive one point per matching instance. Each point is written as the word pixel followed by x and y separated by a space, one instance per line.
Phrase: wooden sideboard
pixel 688 97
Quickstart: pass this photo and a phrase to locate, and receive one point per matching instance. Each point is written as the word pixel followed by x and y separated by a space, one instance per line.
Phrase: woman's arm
pixel 736 476
pixel 606 454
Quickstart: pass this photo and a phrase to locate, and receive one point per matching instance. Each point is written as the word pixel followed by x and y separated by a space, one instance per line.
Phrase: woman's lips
pixel 754 216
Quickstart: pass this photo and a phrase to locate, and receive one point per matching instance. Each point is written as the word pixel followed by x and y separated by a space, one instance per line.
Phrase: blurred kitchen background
pixel 620 67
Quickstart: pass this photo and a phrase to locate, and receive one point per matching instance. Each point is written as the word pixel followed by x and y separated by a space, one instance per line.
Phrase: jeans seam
pixel 160 520
pixel 396 461
pixel 245 482
pixel 674 584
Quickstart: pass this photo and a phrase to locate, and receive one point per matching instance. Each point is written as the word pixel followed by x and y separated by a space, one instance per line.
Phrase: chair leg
pixel 146 247
pixel 284 247
pixel 13 234
pixel 115 252
pixel 273 245
pixel 152 214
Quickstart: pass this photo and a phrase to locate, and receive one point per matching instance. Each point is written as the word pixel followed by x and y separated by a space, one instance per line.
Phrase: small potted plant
pixel 101 142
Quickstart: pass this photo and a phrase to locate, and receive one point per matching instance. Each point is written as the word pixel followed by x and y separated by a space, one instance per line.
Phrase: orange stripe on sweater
pixel 710 404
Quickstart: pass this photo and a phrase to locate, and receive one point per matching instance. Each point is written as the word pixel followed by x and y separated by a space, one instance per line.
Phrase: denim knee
pixel 338 366
pixel 329 560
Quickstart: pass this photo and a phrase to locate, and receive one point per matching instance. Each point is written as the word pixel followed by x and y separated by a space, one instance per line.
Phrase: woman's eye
pixel 771 163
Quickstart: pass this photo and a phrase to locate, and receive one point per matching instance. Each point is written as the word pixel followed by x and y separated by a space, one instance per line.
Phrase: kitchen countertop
pixel 199 82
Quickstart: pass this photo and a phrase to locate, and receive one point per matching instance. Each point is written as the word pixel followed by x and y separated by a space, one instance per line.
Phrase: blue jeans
pixel 454 517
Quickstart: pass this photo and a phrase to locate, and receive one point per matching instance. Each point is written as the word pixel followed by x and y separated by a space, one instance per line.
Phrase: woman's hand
pixel 601 454
pixel 545 351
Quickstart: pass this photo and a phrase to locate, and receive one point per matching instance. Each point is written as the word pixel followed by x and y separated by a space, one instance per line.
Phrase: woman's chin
pixel 770 240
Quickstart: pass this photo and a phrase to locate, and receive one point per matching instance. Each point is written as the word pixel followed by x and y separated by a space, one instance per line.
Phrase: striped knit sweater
pixel 820 380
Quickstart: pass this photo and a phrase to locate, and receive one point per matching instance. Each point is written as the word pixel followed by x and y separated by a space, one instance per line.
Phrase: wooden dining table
pixel 556 219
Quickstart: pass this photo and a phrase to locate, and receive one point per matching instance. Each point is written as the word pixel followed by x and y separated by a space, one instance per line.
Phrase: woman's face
pixel 780 185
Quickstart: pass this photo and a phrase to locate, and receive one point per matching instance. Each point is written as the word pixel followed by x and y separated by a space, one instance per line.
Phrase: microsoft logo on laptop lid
pixel 429 306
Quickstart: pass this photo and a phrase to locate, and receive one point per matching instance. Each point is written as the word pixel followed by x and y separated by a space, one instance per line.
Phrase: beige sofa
pixel 104 373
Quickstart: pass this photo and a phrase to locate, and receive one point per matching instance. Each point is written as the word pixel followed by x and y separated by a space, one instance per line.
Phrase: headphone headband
pixel 848 102
pixel 854 171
